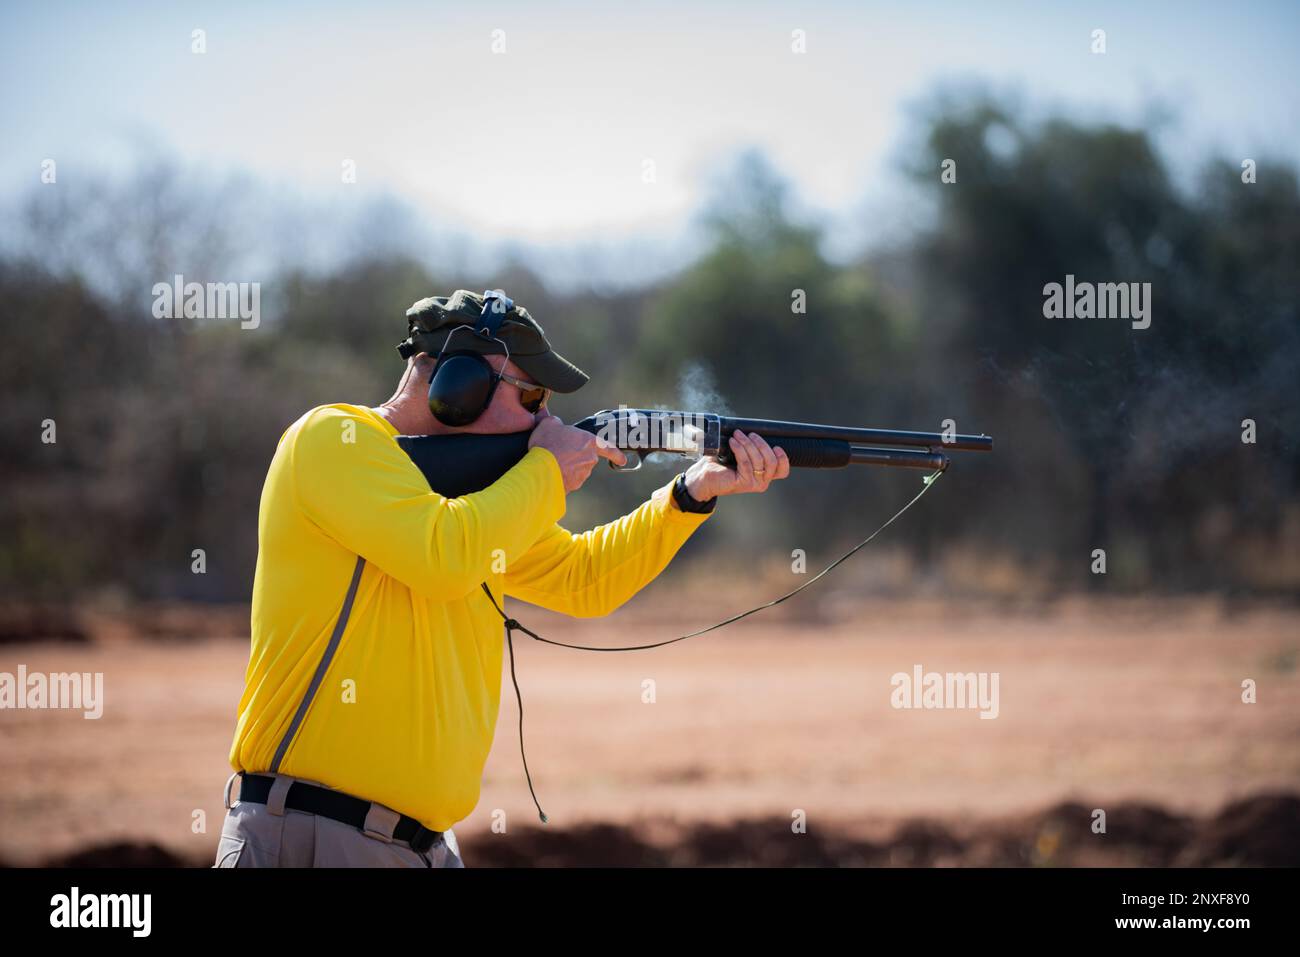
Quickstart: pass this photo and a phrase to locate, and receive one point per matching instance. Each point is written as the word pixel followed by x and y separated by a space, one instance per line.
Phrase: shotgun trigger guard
pixel 633 461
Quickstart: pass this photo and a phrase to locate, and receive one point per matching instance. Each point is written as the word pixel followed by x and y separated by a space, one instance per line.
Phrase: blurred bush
pixel 1108 437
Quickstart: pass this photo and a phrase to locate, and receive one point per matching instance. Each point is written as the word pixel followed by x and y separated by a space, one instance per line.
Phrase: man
pixel 374 678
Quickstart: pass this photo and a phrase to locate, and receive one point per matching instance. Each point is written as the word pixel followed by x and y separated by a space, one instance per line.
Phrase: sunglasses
pixel 531 395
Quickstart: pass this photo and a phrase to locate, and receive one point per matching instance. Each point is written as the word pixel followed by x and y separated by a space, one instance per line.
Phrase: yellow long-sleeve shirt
pixel 405 712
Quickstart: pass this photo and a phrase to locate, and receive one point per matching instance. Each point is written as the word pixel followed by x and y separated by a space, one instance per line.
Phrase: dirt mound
pixel 28 623
pixel 1135 835
pixel 123 854
pixel 1260 831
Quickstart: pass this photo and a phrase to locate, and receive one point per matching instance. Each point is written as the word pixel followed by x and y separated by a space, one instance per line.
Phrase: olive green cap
pixel 430 321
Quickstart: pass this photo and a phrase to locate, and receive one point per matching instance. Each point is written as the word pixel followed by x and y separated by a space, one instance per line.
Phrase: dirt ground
pixel 1132 708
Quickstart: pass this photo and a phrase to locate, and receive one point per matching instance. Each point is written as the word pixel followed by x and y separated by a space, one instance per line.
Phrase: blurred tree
pixel 1146 415
pixel 1108 436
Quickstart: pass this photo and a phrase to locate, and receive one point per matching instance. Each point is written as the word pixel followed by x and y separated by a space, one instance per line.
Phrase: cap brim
pixel 547 368
pixel 553 371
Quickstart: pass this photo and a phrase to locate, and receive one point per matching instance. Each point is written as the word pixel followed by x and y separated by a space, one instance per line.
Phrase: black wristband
pixel 688 504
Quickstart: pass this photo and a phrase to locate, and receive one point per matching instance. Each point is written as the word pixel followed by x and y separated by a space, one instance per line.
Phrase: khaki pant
pixel 263 835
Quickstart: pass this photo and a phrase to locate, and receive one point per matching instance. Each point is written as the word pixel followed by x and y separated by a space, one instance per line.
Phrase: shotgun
pixel 459 464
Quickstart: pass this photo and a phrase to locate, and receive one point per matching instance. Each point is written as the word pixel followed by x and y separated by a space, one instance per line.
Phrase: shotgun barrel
pixel 638 432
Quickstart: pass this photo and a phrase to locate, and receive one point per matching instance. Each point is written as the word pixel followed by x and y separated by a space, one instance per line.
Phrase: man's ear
pixel 417 372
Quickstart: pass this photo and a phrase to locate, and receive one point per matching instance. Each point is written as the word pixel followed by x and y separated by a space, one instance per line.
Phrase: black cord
pixel 512 624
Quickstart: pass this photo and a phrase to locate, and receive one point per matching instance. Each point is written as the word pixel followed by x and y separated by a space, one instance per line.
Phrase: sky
pixel 551 141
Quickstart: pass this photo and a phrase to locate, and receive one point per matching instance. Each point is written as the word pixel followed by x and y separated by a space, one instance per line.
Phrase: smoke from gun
pixel 697 392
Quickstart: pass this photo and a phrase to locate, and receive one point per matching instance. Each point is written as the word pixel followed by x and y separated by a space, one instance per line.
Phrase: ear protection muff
pixel 463 381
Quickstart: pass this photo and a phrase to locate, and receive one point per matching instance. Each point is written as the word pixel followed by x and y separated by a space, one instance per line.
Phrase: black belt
pixel 336 806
